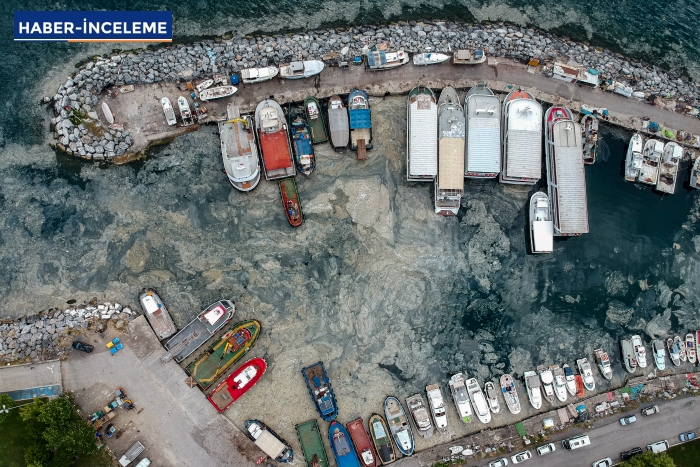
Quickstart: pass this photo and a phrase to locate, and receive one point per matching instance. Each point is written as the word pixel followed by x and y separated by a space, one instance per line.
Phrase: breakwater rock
pixel 78 130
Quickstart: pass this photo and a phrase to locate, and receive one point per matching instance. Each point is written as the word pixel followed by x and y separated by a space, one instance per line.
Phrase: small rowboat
pixel 579 386
pixel 204 85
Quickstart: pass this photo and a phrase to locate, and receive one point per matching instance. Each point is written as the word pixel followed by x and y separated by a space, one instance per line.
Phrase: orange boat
pixel 579 386
pixel 290 201
pixel 363 445
pixel 240 382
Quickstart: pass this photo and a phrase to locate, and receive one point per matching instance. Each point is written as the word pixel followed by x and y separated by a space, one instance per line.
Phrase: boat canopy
pixel 150 303
pixel 360 118
pixel 269 119
pixel 270 445
pixel 483 134
pixel 523 149
pixel 543 236
pixel 376 58
pixel 570 178
pixel 422 138
pixel 451 164
pixel 214 315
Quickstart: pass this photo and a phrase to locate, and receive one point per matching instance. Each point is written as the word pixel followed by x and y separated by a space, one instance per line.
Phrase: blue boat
pixel 360 123
pixel 302 144
pixel 321 391
pixel 343 449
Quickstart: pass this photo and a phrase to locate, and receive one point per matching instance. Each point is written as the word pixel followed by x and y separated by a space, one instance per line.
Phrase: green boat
pixel 314 118
pixel 312 444
pixel 223 353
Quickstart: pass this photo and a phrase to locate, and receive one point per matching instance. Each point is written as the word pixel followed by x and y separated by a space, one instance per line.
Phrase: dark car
pixel 82 346
pixel 627 455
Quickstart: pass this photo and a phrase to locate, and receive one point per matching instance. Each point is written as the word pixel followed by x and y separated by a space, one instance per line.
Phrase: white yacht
pixel 481 407
pixel 437 406
pixel 657 348
pixel 640 351
pixel 649 172
pixel 510 394
pixel 299 70
pixel 668 169
pixel 586 373
pixel 559 382
pixel 492 397
pixel 547 383
pixel 633 160
pixel 460 396
pixel 258 75
pixel 570 379
pixel 541 226
pixel 533 384
pixel 168 111
pixel 429 58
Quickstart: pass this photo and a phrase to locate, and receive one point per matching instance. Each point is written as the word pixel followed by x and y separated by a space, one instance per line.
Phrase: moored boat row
pixel 655 163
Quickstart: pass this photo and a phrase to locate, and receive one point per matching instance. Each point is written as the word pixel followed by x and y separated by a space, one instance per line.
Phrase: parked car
pixel 82 346
pixel 502 462
pixel 630 453
pixel 520 457
pixel 657 447
pixel 545 449
pixel 650 410
pixel 687 436
pixel 607 462
pixel 628 420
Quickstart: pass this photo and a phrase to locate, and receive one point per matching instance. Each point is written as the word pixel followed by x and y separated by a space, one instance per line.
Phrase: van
pixel 576 442
pixel 657 447
pixel 145 462
pixel 132 454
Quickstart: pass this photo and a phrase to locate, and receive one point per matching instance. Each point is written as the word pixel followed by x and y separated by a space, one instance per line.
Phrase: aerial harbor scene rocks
pixel 391 297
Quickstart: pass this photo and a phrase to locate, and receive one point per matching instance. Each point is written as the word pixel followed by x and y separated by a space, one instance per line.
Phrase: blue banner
pixel 94 26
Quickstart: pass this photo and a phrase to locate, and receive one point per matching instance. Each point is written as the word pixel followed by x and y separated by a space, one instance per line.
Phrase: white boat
pixel 460 396
pixel 680 344
pixel 522 139
pixel 629 357
pixel 492 397
pixel 258 75
pixel 690 347
pixel 668 169
pixel 547 383
pixel 421 137
pixel 299 70
pixel 695 174
pixel 429 59
pixel 640 352
pixel 674 350
pixel 584 368
pixel 217 92
pixel 589 127
pixel 659 352
pixel 603 360
pixel 559 382
pixel 108 113
pixel 379 59
pixel 651 158
pixel 421 416
pixel 437 406
pixel 510 394
pixel 541 227
pixel 633 160
pixel 533 384
pixel 570 379
pixel 168 111
pixel 482 110
pixel 481 407
pixel 449 183
pixel 185 113
pixel 466 57
pixel 239 151
pixel 204 85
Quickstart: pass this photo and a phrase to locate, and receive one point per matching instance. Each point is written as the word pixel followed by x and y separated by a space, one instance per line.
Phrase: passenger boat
pixel 460 396
pixel 690 347
pixel 156 314
pixel 380 437
pixel 379 59
pixel 570 379
pixel 559 382
pixel 584 368
pixel 274 140
pixel 199 330
pixel 204 85
pixel 640 352
pixel 476 395
pixel 341 444
pixel 533 384
pixel 482 109
pixel 338 123
pixel 301 143
pixel 107 113
pixel 510 394
pixel 299 70
pixel 314 118
pixel 589 127
pixel 633 160
pixel 363 445
pixel 185 113
pixel 492 397
pixel 682 352
pixel 541 226
pixel 421 135
pixel 238 383
pixel 466 57
pixel 168 111
pixel 695 174
pixel 437 406
pixel 628 356
pixel 449 183
pixel 651 158
pixel 522 139
pixel 239 151
pixel 223 353
pixel 321 391
pixel 674 351
pixel 429 58
pixel 421 416
pixel 360 123
pixel 657 348
pixel 291 202
pixel 566 178
pixel 668 169
pixel 217 92
pixel 398 425
pixel 547 383
pixel 258 75
pixel 312 444
pixel 268 441
pixel 604 365
pixel 579 386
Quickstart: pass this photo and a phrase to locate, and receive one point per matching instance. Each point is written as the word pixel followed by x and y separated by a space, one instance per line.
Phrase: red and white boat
pixel 363 445
pixel 274 140
pixel 240 382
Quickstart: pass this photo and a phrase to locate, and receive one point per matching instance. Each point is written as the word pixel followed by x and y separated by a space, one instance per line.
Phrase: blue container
pixel 234 79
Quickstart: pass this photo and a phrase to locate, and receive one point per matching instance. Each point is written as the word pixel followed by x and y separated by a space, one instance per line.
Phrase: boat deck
pixel 221 397
pixel 188 340
pixel 311 442
pixel 275 150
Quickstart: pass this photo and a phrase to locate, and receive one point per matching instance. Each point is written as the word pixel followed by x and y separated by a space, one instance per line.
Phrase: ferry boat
pixel 380 437
pixel 274 140
pixel 363 444
pixel 379 59
pixel 204 85
pixel 185 113
pixel 522 139
pixel 156 314
pixel 604 365
pixel 492 397
pixel 301 143
pixel 651 158
pixel 238 383
pixel 633 160
pixel 589 127
pixel 674 351
pixel 268 441
pixel 437 407
pixel 314 117
pixel 695 174
pixel 533 384
pixel 429 58
pixel 690 347
pixel 547 383
pixel 449 183
pixel 668 169
pixel 420 414
pixel 628 356
pixel 258 75
pixel 360 123
pixel 460 396
pixel 541 226
pixel 566 178
pixel 476 395
pixel 291 202
pixel 466 57
pixel 559 382
pixel 579 386
pixel 321 391
pixel 398 425
pixel 659 352
pixel 482 109
pixel 168 111
pixel 199 330
pixel 570 379
pixel 338 123
pixel 680 344
pixel 312 444
pixel 218 92
pixel 510 394
pixel 341 444
pixel 239 150
pixel 223 353
pixel 421 135
pixel 584 368
pixel 299 70
pixel 639 351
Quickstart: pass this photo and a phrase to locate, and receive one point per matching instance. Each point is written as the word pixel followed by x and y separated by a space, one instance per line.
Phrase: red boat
pixel 579 386
pixel 363 445
pixel 237 384
pixel 290 200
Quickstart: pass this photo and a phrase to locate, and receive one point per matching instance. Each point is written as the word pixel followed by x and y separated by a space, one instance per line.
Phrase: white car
pixel 545 449
pixel 607 462
pixel 502 462
pixel 521 457
pixel 628 420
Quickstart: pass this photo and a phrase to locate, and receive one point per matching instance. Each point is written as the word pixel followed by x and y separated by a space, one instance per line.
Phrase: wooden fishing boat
pixel 185 112
pixel 695 176
pixel 314 118
pixel 291 202
pixel 381 439
pixel 240 382
pixel 421 416
pixel 360 123
pixel 321 391
pixel 363 444
pixel 156 314
pixel 204 85
pixel 258 75
pixel 301 142
pixel 274 140
pixel 341 444
pixel 399 426
pixel 690 347
pixel 466 57
pixel 338 123
pixel 312 444
pixel 379 59
pixel 668 168
pixel 603 360
pixel 268 441
pixel 217 92
pixel 589 128
pixel 298 70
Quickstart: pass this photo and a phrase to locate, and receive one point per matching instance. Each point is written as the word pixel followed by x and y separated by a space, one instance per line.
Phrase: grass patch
pixel 13 437
pixel 101 458
pixel 686 454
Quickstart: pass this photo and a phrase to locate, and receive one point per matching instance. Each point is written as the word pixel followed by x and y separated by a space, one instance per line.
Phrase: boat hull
pixel 314 117
pixel 291 202
pixel 363 443
pixel 304 156
pixel 510 394
pixel 317 381
pixel 197 332
pixel 381 439
pixel 341 444
pixel 231 389
pixel 157 314
pixel 398 426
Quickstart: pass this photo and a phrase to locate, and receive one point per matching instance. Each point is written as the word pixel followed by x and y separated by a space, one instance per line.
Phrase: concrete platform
pixel 31 380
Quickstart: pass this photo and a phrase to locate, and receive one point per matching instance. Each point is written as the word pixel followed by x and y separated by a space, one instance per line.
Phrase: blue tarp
pixel 31 393
pixel 360 118
pixel 380 54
